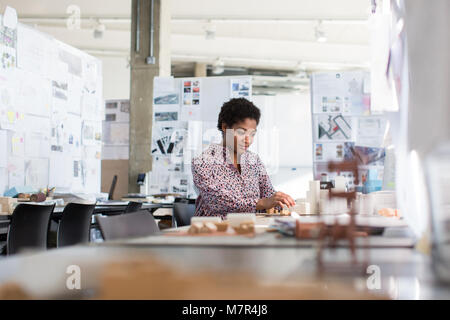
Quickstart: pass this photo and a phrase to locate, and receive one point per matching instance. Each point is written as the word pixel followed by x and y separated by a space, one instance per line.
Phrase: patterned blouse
pixel 222 189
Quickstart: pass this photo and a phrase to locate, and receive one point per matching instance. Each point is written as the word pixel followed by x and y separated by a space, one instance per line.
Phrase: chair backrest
pixel 183 212
pixel 28 228
pixel 113 187
pixel 75 224
pixel 133 207
pixel 130 225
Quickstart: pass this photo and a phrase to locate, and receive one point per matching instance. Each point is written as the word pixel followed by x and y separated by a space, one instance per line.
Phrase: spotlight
pixel 218 66
pixel 99 30
pixel 210 31
pixel 320 33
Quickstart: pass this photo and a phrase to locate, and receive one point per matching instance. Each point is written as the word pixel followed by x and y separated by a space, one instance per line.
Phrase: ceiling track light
pixel 99 29
pixel 210 31
pixel 320 32
pixel 218 66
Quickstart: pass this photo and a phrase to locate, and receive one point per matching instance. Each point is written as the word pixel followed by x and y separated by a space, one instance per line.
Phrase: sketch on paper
pixel 333 127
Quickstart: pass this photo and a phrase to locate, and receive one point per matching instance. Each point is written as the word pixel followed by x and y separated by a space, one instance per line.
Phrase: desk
pixel 405 273
pixel 104 208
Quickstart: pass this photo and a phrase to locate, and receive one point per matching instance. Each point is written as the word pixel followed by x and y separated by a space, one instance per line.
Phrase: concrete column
pixel 141 79
pixel 200 70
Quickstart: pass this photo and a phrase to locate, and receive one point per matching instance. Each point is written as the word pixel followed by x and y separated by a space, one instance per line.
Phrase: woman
pixel 228 177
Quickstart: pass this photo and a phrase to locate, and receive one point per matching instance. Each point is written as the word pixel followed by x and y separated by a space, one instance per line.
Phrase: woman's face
pixel 243 132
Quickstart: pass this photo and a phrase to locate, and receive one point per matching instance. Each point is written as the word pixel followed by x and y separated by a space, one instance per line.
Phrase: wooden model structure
pixel 331 235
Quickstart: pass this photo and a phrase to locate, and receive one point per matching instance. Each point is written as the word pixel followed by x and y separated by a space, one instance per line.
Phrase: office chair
pixel 113 186
pixel 75 224
pixel 133 206
pixel 183 210
pixel 28 228
pixel 131 225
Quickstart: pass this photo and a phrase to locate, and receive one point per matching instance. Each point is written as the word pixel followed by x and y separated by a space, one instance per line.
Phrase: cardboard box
pixel 7 205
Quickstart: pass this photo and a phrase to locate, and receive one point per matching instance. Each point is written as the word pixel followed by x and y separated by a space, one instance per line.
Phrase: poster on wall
pixel 240 88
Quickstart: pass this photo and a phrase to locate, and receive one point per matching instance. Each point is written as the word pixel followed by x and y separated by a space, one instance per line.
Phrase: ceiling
pixel 257 34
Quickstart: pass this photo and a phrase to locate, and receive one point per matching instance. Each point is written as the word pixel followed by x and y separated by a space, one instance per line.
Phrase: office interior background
pixel 110 101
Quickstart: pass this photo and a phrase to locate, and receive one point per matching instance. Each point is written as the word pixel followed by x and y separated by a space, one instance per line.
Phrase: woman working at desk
pixel 228 177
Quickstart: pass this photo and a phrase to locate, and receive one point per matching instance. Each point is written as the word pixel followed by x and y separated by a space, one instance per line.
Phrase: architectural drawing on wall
pixel 333 127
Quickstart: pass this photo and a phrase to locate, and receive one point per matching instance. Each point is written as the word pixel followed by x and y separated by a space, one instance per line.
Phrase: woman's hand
pixel 278 199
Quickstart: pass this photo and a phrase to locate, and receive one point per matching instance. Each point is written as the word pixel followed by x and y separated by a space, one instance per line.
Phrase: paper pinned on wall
pixel 36 173
pixel 60 166
pixel 91 133
pixel 17 140
pixel 167 114
pixel 333 127
pixel 3 147
pixel 119 133
pixel 33 50
pixel 16 172
pixel 332 151
pixel 72 135
pixel 168 140
pixel 191 92
pixel 370 131
pixel 8 43
pixel 240 88
pixel 340 93
pixel 34 94
pixel 91 175
pixel 118 111
pixel 164 84
pixel 10 18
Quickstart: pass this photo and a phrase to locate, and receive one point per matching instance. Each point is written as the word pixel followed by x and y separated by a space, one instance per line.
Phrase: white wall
pixel 288 118
pixel 284 141
pixel 116 78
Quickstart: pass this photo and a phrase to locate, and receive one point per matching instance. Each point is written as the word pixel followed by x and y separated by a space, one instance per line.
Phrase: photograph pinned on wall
pixel 191 91
pixel 166 98
pixel 111 105
pixel 369 156
pixel 167 140
pixel 332 151
pixel 125 106
pixel 166 116
pixel 59 89
pixel 240 88
pixel 333 127
pixel 117 110
pixel 165 91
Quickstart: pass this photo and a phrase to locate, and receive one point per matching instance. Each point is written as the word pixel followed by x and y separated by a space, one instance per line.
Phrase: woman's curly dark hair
pixel 236 110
